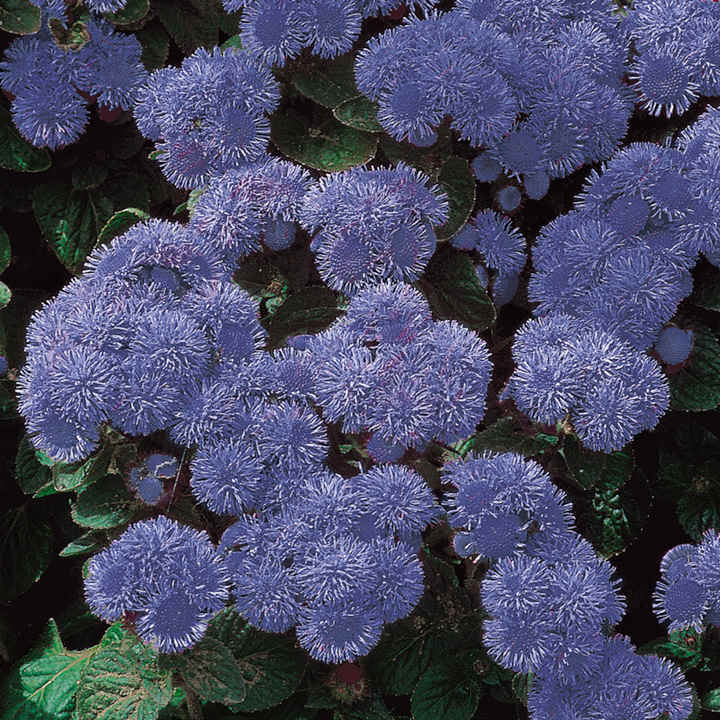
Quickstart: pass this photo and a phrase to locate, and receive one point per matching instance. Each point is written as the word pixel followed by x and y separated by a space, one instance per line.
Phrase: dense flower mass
pixel 278 31
pixel 167 576
pixel 501 502
pixel 609 390
pixel 46 81
pixel 209 115
pixel 373 225
pixel 486 64
pixel 688 593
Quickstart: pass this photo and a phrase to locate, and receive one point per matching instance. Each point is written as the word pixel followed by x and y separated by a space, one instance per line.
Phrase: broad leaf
pixel 186 26
pixel 699 507
pixel 5 295
pixel 30 473
pixel 43 685
pixel 327 145
pixel 359 113
pixel 328 83
pixel 70 220
pixel 453 290
pixel 19 17
pixel 104 504
pixel 25 548
pixel 450 691
pixel 589 468
pixel 87 543
pixel 210 671
pixel 119 223
pixel 711 700
pixel 509 435
pixel 697 386
pixel 133 11
pixel 155 44
pixel 456 179
pixel 77 476
pixel 16 153
pixel 308 311
pixel 123 682
pixel 271 665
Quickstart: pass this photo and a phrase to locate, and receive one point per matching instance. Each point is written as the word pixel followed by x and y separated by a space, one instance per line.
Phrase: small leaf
pixel 30 473
pixel 155 44
pixel 123 682
pixel 697 386
pixel 449 691
pixel 16 153
pixel 328 83
pixel 25 548
pixel 134 11
pixel 233 42
pixel 456 179
pixel 19 17
pixel 308 311
pixel 105 504
pixel 359 113
pixel 5 249
pixel 271 665
pixel 119 223
pixel 69 37
pixel 509 435
pixel 5 295
pixel 87 543
pixel 453 290
pixel 210 671
pixel 711 700
pixel 329 146
pixel 43 685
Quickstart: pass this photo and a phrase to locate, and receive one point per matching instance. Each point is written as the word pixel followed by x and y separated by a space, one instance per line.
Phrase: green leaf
pixel 697 386
pixel 123 682
pixel 328 146
pixel 119 223
pixel 233 43
pixel 509 435
pixel 429 160
pixel 308 311
pixel 359 113
pixel 271 665
pixel 699 507
pixel 706 286
pixel 456 179
pixel 5 295
pixel 16 153
pixel 134 11
pixel 155 44
pixel 186 26
pixel 372 708
pixel 19 17
pixel 87 543
pixel 328 83
pixel 85 177
pixel 453 290
pixel 77 476
pixel 682 646
pixel 25 548
pixel 210 671
pixel 30 473
pixel 450 691
pixel 5 249
pixel 69 37
pixel 70 220
pixel 104 504
pixel 43 685
pixel 711 700
pixel 589 468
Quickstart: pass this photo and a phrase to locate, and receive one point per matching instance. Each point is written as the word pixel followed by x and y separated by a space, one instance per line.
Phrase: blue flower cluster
pixel 677 50
pixel 373 224
pixel 209 115
pixel 550 600
pixel 566 369
pixel 338 560
pixel 46 81
pixel 133 341
pixel 502 502
pixel 277 30
pixel 486 65
pixel 386 368
pixel 58 8
pixel 688 592
pixel 167 578
pixel 242 210
pixel 501 247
